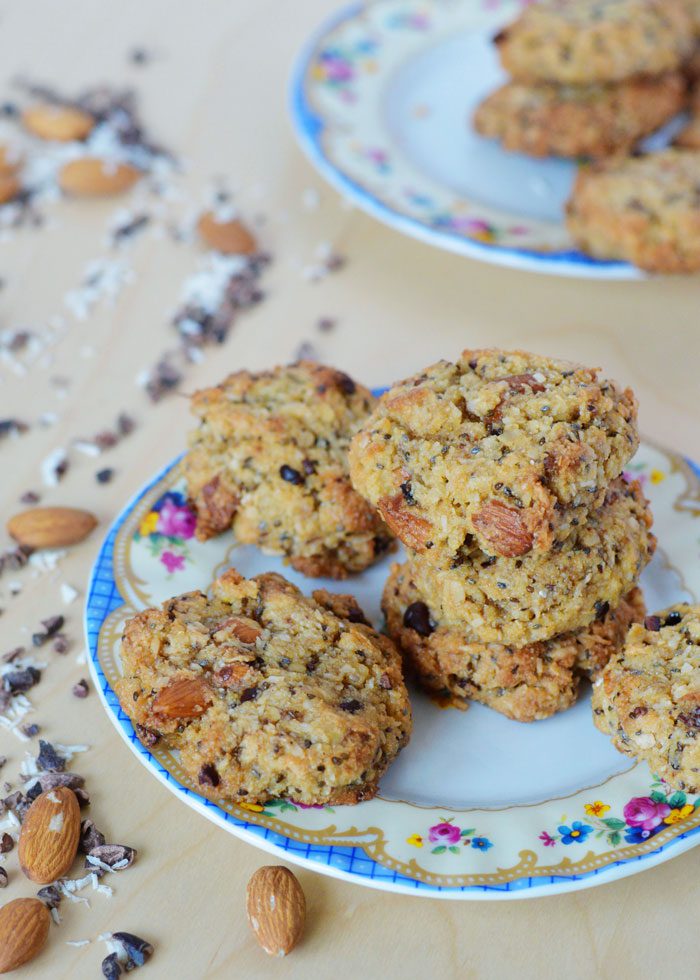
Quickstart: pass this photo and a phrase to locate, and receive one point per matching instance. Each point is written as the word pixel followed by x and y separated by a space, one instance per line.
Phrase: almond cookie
pixel 504 450
pixel 267 693
pixel 269 460
pixel 524 683
pixel 648 698
pixel 577 42
pixel 579 121
pixel 645 210
pixel 518 601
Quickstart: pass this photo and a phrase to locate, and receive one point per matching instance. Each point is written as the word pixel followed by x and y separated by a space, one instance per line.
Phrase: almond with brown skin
pixel 93 177
pixel 244 629
pixel 10 159
pixel 412 530
pixel 9 187
pixel 276 909
pixel 24 929
pixel 58 122
pixel 522 382
pixel 228 236
pixel 504 528
pixel 51 527
pixel 49 836
pixel 183 698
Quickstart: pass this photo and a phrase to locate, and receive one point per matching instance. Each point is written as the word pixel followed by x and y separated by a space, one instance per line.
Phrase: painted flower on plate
pixel 596 809
pixel 173 562
pixel 444 833
pixel 643 812
pixel 176 520
pixel 577 833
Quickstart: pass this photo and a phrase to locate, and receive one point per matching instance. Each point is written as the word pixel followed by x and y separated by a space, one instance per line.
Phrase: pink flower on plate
pixel 176 521
pixel 547 839
pixel 444 833
pixel 173 562
pixel 642 811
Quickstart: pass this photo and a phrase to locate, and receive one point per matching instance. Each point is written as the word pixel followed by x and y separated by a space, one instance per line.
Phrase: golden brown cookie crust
pixel 269 461
pixel 503 450
pixel 641 209
pixel 266 693
pixel 648 698
pixel 579 121
pixel 578 42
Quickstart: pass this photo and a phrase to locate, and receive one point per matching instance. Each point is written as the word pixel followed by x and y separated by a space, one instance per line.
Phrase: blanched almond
pixel 183 697
pixel 93 177
pixel 51 527
pixel 24 929
pixel 58 122
pixel 48 838
pixel 230 237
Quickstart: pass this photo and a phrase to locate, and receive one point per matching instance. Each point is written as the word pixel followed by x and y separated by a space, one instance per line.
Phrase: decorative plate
pixel 476 806
pixel 381 100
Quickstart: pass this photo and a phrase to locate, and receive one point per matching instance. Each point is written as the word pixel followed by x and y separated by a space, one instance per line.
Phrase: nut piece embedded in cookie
pixel 266 693
pixel 648 697
pixel 504 451
pixel 269 461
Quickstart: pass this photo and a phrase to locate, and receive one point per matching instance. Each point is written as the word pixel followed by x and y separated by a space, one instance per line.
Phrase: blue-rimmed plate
pixel 381 100
pixel 476 806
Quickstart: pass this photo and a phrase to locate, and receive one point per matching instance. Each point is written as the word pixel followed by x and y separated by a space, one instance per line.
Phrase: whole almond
pixel 504 528
pixel 24 929
pixel 412 530
pixel 51 527
pixel 228 236
pixel 244 629
pixel 58 122
pixel 10 159
pixel 9 187
pixel 49 835
pixel 276 909
pixel 183 697
pixel 92 177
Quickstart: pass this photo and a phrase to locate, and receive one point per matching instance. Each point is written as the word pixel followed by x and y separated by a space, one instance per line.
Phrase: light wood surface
pixel 216 94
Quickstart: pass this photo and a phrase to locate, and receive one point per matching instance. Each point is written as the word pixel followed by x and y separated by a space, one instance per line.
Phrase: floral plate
pixel 381 99
pixel 476 806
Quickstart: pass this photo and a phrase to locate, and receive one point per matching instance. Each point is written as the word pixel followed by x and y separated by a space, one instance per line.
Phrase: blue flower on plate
pixel 481 843
pixel 637 835
pixel 577 833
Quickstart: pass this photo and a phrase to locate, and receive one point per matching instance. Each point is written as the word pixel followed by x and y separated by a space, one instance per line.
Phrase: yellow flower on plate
pixel 656 476
pixel 253 807
pixel 415 839
pixel 680 813
pixel 148 524
pixel 596 809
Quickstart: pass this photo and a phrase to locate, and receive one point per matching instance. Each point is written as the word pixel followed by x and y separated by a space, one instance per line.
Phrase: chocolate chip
pixel 208 776
pixel 291 475
pixel 308 466
pixel 691 719
pixel 147 736
pixel 250 694
pixel 31 730
pixel 417 617
pixel 49 760
pixel 19 681
pixel 81 689
pixel 111 967
pixel 638 711
pixel 90 836
pixel 352 705
pixel 50 896
pixel 673 618
pixel 60 644
pixel 6 843
pixel 407 491
pixel 652 623
pixel 601 609
pixel 104 476
pixel 357 616
pixel 346 384
pixel 50 780
pixel 3 878
pixel 111 855
pixel 137 950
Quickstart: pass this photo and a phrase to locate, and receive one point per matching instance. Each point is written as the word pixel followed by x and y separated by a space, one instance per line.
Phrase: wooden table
pixel 215 92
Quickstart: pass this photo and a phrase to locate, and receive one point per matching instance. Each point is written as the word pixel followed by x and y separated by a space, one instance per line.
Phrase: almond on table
pixel 24 929
pixel 51 527
pixel 94 177
pixel 229 236
pixel 49 836
pixel 276 908
pixel 62 123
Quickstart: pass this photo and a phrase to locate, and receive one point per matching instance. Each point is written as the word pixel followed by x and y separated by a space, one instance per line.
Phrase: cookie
pixel 579 121
pixel 266 693
pixel 645 210
pixel 524 683
pixel 578 42
pixel 689 136
pixel 693 9
pixel 503 450
pixel 648 698
pixel 269 461
pixel 518 601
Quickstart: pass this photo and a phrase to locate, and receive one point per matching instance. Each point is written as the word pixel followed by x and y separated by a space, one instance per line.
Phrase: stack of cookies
pixel 501 473
pixel 589 78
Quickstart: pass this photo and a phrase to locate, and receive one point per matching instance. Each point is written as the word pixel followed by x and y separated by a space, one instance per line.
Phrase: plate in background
pixel 381 100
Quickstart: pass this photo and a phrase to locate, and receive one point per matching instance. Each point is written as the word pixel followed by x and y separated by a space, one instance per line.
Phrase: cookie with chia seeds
pixel 267 693
pixel 689 136
pixel 645 210
pixel 503 450
pixel 525 683
pixel 648 697
pixel 578 42
pixel 579 121
pixel 269 460
pixel 518 601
